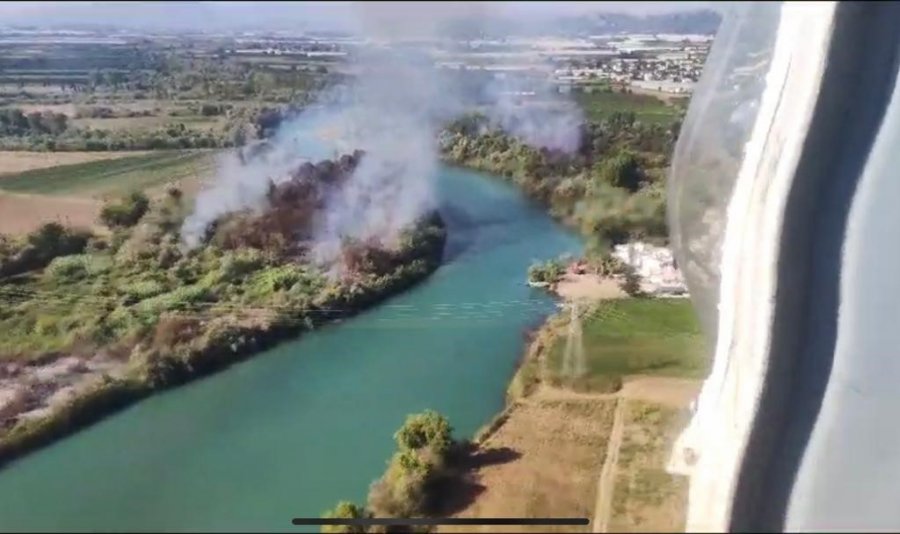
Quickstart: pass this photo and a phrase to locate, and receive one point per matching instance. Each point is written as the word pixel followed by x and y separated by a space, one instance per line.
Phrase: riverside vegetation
pixel 426 462
pixel 135 311
pixel 611 188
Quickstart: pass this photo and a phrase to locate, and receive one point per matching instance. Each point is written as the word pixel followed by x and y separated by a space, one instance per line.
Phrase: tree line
pixel 611 188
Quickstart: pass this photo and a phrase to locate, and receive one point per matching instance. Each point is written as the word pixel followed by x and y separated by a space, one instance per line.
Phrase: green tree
pixel 622 170
pixel 346 510
pixel 427 429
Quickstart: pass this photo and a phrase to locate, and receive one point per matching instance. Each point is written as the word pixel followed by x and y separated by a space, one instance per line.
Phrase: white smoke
pixel 393 109
pixel 237 187
pixel 553 121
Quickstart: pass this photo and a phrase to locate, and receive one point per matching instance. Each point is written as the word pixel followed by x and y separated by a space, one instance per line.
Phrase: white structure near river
pixel 656 267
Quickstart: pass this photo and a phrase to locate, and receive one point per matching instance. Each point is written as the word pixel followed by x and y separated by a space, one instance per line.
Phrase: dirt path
pixel 668 391
pixel 606 482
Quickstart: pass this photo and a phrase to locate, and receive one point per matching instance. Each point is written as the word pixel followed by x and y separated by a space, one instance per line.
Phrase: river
pixel 291 431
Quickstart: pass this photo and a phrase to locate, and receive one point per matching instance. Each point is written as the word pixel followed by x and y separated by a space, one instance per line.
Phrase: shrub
pixel 237 265
pixel 548 272
pixel 126 212
pixel 274 279
pixel 97 244
pixel 70 268
pixel 210 110
pixel 180 299
pixel 346 510
pixel 144 289
pixel 174 330
pixel 631 283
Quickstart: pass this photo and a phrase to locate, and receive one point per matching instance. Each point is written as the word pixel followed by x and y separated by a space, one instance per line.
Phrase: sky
pixel 303 15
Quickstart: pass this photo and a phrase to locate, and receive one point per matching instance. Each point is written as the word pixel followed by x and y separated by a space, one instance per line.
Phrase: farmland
pixel 21 214
pixel 600 104
pixel 111 176
pixel 642 361
pixel 13 162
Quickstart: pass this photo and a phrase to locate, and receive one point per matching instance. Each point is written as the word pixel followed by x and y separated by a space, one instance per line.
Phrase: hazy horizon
pixel 335 16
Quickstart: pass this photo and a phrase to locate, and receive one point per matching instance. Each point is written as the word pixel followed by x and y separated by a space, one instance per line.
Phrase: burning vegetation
pixel 294 206
pixel 141 311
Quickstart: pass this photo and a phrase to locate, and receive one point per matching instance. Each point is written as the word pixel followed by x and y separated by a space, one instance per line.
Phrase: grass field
pixel 115 176
pixel 646 498
pixel 599 105
pixel 634 337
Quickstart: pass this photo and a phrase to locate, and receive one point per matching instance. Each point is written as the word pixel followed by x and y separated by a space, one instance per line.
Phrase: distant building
pixel 654 265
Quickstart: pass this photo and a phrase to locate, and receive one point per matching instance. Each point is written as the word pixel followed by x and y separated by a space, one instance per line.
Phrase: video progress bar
pixel 429 521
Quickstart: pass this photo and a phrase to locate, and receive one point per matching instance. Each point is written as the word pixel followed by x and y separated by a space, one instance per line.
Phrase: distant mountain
pixel 702 21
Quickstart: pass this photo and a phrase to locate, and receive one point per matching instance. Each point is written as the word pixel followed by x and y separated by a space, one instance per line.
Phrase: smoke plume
pixel 393 110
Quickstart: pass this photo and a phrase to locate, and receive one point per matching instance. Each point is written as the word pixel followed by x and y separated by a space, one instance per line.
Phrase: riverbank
pixel 49 398
pixel 595 445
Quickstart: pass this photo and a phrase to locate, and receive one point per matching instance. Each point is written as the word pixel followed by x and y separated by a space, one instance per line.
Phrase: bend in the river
pixel 290 432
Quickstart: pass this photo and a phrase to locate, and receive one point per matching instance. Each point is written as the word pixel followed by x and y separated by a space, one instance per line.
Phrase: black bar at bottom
pixel 423 521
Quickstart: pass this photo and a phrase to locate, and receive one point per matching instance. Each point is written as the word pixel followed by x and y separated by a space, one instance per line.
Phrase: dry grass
pixel 65 109
pixel 646 498
pixel 20 214
pixel 665 390
pixel 121 124
pixel 557 450
pixel 14 162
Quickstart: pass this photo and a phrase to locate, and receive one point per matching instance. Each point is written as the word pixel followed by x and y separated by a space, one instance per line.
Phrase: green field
pixel 112 176
pixel 600 104
pixel 635 336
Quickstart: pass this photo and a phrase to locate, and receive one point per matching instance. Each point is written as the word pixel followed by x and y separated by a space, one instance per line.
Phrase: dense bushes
pixel 126 212
pixel 39 248
pixel 122 286
pixel 75 267
pixel 548 272
pixel 610 187
pixel 13 122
